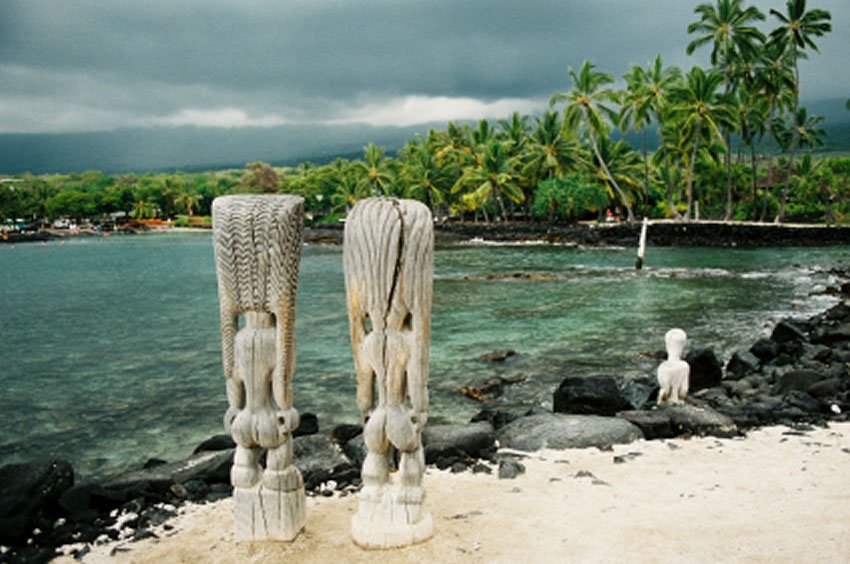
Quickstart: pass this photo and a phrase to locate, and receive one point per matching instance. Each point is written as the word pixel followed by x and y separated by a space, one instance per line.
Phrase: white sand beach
pixel 776 496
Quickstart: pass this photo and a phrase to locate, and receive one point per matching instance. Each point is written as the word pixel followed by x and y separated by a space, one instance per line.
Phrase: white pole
pixel 642 244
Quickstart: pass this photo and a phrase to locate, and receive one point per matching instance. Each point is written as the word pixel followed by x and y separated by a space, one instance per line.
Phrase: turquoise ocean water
pixel 110 347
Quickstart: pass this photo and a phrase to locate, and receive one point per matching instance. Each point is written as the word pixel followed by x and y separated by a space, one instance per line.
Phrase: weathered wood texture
pixel 674 373
pixel 257 241
pixel 388 259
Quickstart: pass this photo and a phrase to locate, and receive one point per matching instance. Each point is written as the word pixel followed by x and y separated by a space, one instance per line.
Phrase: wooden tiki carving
pixel 388 259
pixel 257 240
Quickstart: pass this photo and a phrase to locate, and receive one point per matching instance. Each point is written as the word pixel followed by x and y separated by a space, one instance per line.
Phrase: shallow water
pixel 110 350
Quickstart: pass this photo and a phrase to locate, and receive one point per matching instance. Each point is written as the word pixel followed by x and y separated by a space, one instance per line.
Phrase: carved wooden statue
pixel 674 373
pixel 257 241
pixel 388 257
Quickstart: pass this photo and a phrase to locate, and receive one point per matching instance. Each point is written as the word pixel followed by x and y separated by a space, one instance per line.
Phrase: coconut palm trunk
pixel 630 216
pixel 691 165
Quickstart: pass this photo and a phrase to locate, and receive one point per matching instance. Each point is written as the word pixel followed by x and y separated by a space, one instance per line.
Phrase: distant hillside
pixel 190 148
pixel 196 148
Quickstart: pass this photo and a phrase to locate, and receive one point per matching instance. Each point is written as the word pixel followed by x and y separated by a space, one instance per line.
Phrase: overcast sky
pixel 93 65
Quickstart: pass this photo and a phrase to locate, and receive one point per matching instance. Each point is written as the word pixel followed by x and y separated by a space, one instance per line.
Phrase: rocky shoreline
pixel 799 376
pixel 661 233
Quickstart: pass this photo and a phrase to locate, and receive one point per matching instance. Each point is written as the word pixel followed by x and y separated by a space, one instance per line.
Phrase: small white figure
pixel 674 373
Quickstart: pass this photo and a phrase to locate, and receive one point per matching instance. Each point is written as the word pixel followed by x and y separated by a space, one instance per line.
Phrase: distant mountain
pixel 204 148
pixel 191 148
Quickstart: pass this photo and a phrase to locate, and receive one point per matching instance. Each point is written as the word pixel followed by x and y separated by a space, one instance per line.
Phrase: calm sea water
pixel 110 350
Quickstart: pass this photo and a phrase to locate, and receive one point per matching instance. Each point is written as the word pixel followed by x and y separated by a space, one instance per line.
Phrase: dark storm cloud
pixel 101 64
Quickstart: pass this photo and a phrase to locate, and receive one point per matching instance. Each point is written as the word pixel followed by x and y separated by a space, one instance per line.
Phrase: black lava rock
pixel 30 491
pixel 496 417
pixel 787 331
pixel 653 424
pixel 214 443
pixel 706 369
pixel 742 363
pixel 765 349
pixel 474 440
pixel 598 395
pixel 309 425
pixel 345 432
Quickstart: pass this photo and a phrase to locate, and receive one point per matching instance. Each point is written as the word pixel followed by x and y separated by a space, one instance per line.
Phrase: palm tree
pixel 774 80
pixel 645 100
pixel 728 26
pixel 752 115
pixel 797 31
pixel 493 178
pixel 376 170
pixel 188 200
pixel 514 130
pixel 623 163
pixel 803 132
pixel 700 109
pixel 586 102
pixel 424 178
pixel 550 152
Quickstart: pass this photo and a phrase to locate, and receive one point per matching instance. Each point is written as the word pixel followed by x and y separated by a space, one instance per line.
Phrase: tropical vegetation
pixel 729 141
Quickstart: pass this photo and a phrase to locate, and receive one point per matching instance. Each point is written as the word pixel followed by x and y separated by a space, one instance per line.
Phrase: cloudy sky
pixel 96 65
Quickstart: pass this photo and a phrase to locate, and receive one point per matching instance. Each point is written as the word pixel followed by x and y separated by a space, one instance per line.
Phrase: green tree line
pixel 731 142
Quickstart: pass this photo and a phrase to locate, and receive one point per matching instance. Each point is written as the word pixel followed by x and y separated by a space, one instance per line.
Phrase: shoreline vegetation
pixel 729 142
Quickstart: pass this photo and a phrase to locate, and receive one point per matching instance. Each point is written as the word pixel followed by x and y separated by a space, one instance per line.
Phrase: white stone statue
pixel 257 240
pixel 388 257
pixel 673 373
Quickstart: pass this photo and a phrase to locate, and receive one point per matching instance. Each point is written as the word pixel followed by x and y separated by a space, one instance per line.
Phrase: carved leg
pixel 271 508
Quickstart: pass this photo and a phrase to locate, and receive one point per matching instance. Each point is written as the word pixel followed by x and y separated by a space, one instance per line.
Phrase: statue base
pixel 389 523
pixel 263 514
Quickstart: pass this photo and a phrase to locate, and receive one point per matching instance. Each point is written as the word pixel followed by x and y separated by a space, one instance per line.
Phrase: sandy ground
pixel 776 496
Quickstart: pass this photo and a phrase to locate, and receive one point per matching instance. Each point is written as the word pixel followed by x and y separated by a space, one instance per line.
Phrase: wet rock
pixel 816 353
pixel 838 312
pixel 803 401
pixel 85 501
pixel 788 331
pixel 498 418
pixel 689 419
pixel 30 491
pixel 343 433
pixel 355 450
pixel 743 362
pixel 833 336
pixel 765 350
pixel 214 443
pixel 599 395
pixel 309 425
pixel 498 356
pixel 153 463
pixel 475 440
pixel 736 388
pixel 826 388
pixel 706 369
pixel 800 380
pixel 641 392
pixel 560 431
pixel 320 459
pixel 484 390
pixel 653 424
